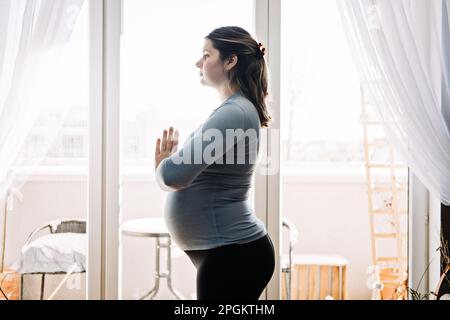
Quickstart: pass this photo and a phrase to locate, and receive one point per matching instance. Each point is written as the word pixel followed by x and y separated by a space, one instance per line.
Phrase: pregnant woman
pixel 208 179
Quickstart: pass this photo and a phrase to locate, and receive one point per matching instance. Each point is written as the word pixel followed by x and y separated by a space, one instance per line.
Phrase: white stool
pixel 154 228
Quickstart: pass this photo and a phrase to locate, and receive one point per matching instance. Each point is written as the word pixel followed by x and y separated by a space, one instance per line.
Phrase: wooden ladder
pixel 387 233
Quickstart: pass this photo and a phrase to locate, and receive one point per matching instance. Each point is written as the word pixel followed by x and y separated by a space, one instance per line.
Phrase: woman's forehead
pixel 208 45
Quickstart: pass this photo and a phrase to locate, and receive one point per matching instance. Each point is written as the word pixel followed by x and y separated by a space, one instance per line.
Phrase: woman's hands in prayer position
pixel 167 146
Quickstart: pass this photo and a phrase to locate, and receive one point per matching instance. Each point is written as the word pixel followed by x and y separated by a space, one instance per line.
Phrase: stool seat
pixel 319 259
pixel 315 276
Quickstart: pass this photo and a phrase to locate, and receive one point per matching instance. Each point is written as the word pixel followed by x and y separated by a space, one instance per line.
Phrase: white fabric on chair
pixel 54 253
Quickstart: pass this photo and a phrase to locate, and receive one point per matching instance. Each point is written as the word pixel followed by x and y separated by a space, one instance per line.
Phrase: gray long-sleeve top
pixel 209 178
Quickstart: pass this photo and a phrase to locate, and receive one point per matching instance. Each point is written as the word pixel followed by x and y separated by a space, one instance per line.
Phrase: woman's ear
pixel 232 61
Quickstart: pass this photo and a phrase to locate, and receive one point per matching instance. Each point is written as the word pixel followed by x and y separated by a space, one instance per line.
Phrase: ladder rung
pixel 164 274
pixel 389 235
pixel 369 118
pixel 389 211
pixel 388 188
pixel 379 144
pixel 383 165
pixel 391 259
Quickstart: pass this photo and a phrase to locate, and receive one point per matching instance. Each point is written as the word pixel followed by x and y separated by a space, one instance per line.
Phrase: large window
pixel 160 87
pixel 319 87
pixel 325 190
pixel 59 137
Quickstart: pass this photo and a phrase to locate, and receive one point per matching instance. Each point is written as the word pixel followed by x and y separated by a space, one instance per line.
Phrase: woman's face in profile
pixel 211 69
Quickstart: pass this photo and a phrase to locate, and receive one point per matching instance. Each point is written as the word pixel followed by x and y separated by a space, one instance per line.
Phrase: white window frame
pixel 94 221
pixel 267 187
pixel 103 180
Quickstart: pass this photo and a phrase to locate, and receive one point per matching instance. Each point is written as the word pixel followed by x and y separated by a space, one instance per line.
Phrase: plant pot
pixel 10 285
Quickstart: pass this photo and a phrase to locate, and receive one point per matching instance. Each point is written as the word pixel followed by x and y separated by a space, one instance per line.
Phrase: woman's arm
pixel 181 168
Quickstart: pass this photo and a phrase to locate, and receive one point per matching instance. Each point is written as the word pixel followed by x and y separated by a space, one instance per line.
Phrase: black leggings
pixel 236 271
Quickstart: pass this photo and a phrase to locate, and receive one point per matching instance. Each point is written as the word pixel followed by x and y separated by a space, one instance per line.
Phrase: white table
pixel 154 228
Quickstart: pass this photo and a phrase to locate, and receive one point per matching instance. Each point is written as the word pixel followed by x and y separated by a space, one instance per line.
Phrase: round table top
pixel 145 227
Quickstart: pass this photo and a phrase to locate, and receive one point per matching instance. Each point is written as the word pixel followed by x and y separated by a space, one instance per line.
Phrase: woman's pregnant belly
pixel 201 218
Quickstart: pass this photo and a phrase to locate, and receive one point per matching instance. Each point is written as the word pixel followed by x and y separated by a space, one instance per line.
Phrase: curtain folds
pixel 32 35
pixel 401 50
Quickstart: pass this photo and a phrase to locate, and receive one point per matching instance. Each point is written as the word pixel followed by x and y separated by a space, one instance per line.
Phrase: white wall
pixel 330 213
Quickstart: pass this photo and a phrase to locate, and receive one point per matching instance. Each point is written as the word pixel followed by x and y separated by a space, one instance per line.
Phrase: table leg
pixel 155 289
pixel 169 271
pixel 168 274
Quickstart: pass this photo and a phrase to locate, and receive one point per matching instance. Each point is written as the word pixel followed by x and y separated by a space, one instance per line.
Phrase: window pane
pixel 160 87
pixel 319 86
pixel 53 195
pixel 325 192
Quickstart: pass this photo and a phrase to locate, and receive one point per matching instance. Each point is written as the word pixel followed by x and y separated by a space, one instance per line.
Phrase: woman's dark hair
pixel 249 76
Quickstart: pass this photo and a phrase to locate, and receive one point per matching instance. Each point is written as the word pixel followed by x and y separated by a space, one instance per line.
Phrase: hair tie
pixel 260 53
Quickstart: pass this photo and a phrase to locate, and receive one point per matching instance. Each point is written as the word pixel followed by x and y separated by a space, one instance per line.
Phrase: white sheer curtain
pixel 446 50
pixel 398 50
pixel 32 36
